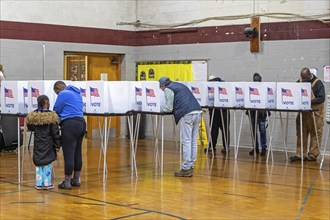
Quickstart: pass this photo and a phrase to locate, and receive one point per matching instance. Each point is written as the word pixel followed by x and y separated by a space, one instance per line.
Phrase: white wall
pixel 99 14
pixel 106 14
pixel 172 12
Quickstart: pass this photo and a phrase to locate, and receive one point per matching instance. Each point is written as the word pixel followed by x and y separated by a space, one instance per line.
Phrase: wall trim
pixel 294 30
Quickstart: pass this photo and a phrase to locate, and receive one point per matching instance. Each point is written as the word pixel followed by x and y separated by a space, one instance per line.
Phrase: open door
pixel 90 66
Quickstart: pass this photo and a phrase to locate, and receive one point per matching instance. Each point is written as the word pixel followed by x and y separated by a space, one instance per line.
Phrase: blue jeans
pixel 263 138
pixel 189 126
pixel 44 175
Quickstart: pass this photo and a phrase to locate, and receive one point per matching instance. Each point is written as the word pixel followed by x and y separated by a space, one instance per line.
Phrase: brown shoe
pixel 184 173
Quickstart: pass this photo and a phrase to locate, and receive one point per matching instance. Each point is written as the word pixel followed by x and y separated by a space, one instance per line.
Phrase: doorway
pixel 89 66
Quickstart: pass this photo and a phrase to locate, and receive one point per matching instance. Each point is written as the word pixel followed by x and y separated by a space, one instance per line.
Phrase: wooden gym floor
pixel 221 188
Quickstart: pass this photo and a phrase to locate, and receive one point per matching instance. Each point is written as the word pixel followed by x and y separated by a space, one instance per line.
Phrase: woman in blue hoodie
pixel 69 107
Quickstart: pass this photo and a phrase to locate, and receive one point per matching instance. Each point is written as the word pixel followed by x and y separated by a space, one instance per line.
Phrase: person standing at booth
pixel 69 107
pixel 317 102
pixel 221 120
pixel 44 124
pixel 187 112
pixel 260 123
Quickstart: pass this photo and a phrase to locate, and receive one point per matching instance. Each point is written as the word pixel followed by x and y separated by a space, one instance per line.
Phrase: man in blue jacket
pixel 69 107
pixel 187 112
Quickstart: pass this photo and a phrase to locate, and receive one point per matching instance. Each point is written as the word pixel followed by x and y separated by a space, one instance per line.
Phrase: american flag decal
pixel 253 91
pixel 94 92
pixel 138 91
pixel 83 92
pixel 286 92
pixel 195 90
pixel 150 92
pixel 304 92
pixel 25 92
pixel 270 91
pixel 35 92
pixel 210 89
pixel 222 91
pixel 8 93
pixel 238 90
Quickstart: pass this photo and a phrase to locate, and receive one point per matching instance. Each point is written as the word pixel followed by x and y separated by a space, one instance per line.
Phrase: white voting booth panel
pixel 293 96
pixel 210 88
pixel 260 95
pixel 97 97
pixel 229 94
pixel 151 97
pixel 81 85
pixel 119 96
pixel 41 87
pixel 136 96
pixel 14 97
pixel 199 90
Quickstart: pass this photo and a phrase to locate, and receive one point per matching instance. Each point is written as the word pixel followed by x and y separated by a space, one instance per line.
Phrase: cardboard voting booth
pixel 260 95
pixel 199 90
pixel 293 96
pixel 136 96
pixel 81 85
pixel 97 97
pixel 119 97
pixel 210 88
pixel 14 97
pixel 151 96
pixel 229 94
pixel 40 87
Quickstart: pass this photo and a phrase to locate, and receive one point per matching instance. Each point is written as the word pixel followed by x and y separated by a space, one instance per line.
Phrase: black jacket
pixel 46 136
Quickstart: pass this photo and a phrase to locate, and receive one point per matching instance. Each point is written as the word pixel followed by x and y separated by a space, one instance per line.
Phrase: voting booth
pixel 229 94
pixel 260 95
pixel 152 96
pixel 119 97
pixel 14 97
pixel 97 97
pixel 293 96
pixel 136 99
pixel 40 87
pixel 199 90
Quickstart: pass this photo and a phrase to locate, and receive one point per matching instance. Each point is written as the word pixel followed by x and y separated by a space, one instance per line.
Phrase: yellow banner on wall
pixel 176 72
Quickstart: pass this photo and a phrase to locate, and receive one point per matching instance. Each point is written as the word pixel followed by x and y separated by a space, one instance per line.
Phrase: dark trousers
pixel 72 134
pixel 261 124
pixel 220 123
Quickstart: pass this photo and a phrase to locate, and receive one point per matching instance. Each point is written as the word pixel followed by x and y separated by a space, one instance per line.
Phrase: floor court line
pixel 97 200
pixel 305 199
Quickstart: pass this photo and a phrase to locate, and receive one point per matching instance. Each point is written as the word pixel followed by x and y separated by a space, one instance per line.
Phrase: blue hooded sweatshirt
pixel 69 103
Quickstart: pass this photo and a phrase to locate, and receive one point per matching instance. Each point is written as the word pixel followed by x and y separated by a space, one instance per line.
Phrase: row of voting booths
pixel 121 97
pixel 124 96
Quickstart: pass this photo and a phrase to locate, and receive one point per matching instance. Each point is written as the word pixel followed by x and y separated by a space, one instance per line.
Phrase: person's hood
pixel 73 88
pixel 42 118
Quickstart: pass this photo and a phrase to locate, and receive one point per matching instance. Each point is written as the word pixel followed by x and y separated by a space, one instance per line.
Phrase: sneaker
pixel 251 153
pixel 295 158
pixel 263 152
pixel 63 186
pixel 74 183
pixel 38 187
pixel 310 158
pixel 224 151
pixel 52 186
pixel 184 173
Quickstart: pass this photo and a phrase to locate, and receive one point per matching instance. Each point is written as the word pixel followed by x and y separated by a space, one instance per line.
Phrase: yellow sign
pixel 176 72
